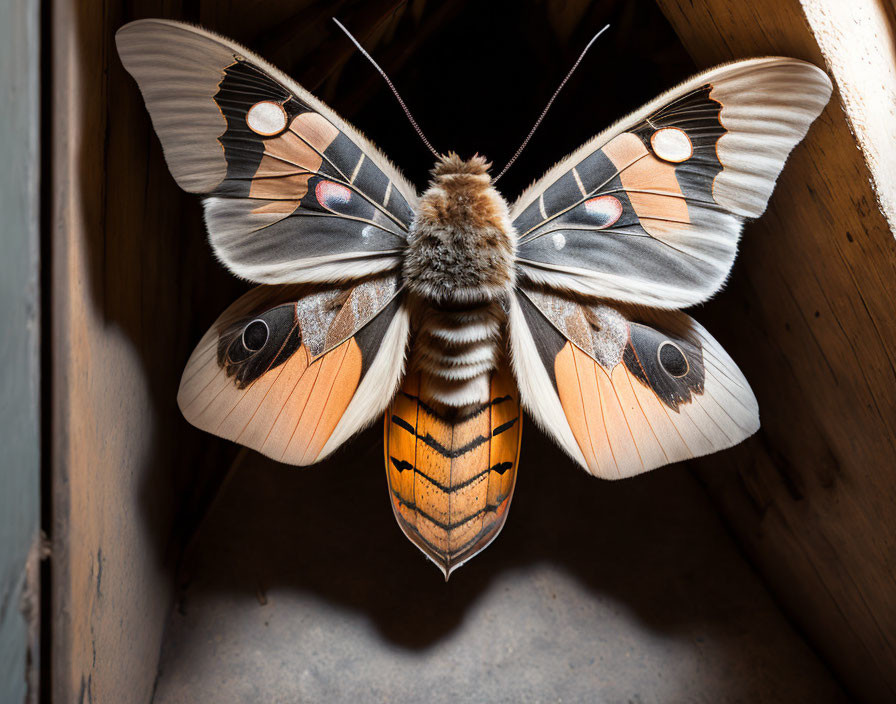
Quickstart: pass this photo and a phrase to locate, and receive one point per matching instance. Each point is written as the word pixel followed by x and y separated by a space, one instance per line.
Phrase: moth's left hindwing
pixel 293 194
pixel 294 371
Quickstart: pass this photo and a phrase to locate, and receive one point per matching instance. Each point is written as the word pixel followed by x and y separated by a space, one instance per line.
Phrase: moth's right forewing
pixel 650 211
pixel 292 192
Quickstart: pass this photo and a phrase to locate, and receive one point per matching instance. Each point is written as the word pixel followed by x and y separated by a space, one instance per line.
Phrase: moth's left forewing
pixel 650 211
pixel 626 391
pixel 293 371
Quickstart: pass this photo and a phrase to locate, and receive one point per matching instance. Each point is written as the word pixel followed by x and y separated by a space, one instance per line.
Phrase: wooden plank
pixel 866 79
pixel 19 357
pixel 120 311
pixel 809 316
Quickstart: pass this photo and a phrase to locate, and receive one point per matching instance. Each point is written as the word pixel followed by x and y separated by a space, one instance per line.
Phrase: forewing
pixel 624 392
pixel 650 211
pixel 292 193
pixel 293 372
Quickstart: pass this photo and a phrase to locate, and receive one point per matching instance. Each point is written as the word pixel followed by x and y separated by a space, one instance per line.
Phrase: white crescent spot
pixel 672 144
pixel 559 240
pixel 266 118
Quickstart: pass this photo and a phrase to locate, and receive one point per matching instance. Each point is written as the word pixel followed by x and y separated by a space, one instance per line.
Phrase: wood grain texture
pixel 809 315
pixel 121 231
pixel 133 288
pixel 858 42
pixel 19 358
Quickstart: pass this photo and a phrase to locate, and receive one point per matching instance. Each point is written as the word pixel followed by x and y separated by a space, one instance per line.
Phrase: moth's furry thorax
pixel 461 244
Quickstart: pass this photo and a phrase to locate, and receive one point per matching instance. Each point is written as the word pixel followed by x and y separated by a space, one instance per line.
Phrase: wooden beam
pixel 858 42
pixel 809 316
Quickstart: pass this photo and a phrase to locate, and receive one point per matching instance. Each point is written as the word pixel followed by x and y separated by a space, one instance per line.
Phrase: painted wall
pixel 19 336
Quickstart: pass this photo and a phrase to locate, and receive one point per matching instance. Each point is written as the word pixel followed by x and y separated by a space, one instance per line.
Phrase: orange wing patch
pixel 451 474
pixel 651 186
pixel 280 367
pixel 598 416
pixel 289 161
pixel 288 413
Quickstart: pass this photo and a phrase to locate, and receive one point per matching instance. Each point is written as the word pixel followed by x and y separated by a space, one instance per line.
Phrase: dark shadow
pixel 652 542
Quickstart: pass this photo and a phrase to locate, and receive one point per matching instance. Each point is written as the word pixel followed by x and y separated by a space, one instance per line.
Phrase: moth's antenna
pixel 392 87
pixel 550 102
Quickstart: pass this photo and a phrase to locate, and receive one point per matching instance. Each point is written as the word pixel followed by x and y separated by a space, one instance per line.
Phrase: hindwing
pixel 293 372
pixel 626 391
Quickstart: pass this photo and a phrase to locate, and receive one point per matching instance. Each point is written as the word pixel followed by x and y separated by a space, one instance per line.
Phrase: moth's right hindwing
pixel 293 372
pixel 622 391
pixel 293 194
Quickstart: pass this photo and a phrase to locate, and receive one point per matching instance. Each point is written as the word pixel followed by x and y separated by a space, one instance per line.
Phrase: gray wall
pixel 19 336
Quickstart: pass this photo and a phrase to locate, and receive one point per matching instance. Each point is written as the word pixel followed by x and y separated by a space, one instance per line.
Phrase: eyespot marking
pixel 559 240
pixel 672 144
pixel 255 335
pixel 330 194
pixel 266 118
pixel 605 209
pixel 673 359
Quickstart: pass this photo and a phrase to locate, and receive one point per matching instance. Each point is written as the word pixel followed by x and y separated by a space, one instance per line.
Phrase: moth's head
pixel 452 168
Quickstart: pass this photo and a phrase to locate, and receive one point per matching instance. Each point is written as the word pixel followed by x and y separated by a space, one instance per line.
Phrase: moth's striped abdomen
pixel 451 471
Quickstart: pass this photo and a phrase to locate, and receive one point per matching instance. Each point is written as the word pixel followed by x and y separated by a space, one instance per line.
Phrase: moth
pixel 448 312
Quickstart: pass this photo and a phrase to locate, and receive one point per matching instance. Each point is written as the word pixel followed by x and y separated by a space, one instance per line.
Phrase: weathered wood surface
pixel 858 42
pixel 19 357
pixel 810 317
pixel 133 287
